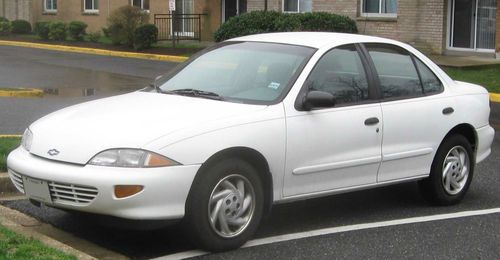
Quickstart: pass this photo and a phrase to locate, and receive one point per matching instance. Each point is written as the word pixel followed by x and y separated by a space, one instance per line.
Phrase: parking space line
pixel 333 230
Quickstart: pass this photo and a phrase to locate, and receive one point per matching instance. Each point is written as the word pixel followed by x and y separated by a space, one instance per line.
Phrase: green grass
pixel 15 246
pixel 488 77
pixel 6 146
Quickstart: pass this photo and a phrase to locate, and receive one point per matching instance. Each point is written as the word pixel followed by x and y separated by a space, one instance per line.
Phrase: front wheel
pixel 225 205
pixel 451 172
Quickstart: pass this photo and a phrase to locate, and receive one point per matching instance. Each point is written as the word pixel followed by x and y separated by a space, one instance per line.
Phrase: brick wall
pixel 498 29
pixel 254 5
pixel 419 22
pixel 16 9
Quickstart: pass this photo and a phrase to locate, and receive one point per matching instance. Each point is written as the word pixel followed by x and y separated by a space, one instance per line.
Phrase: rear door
pixel 413 107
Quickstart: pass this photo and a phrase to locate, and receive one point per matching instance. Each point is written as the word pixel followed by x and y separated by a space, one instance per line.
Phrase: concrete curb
pixel 495 97
pixel 21 92
pixel 53 237
pixel 102 52
pixel 11 136
pixel 23 225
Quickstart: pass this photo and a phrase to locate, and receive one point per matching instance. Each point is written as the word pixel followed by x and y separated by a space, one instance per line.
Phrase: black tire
pixel 197 218
pixel 433 188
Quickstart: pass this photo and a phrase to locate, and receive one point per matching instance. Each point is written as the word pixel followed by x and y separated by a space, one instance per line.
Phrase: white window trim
pixel 379 14
pixel 94 10
pixel 49 10
pixel 142 5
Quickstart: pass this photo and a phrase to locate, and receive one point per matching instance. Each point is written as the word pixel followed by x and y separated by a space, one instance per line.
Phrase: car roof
pixel 312 39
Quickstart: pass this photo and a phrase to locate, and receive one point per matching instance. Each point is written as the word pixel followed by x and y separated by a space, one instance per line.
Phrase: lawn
pixel 488 77
pixel 6 145
pixel 15 246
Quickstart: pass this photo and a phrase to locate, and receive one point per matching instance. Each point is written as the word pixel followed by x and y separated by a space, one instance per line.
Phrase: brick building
pixel 434 26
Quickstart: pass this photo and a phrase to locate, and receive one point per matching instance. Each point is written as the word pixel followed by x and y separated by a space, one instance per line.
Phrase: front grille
pixel 71 194
pixel 17 180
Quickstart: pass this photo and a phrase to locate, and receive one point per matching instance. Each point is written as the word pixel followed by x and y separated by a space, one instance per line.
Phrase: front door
pixel 338 147
pixel 232 8
pixel 473 24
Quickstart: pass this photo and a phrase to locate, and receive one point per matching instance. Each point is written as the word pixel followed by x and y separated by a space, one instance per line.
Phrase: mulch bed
pixel 162 50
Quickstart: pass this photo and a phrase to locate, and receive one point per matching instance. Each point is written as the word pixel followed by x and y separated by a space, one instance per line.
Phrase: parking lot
pixel 314 226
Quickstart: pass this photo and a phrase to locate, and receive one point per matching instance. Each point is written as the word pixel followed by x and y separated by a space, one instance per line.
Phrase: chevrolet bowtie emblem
pixel 53 152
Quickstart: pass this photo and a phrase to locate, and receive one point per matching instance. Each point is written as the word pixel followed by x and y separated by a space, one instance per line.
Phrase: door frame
pixel 449 32
pixel 223 9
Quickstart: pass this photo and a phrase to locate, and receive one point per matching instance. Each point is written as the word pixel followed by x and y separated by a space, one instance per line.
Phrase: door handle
pixel 371 121
pixel 448 111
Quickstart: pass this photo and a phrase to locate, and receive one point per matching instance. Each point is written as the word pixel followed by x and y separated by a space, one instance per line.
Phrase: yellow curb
pixel 22 92
pixel 11 136
pixel 495 97
pixel 95 51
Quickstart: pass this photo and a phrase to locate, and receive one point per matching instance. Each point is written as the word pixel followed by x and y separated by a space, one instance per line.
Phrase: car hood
pixel 128 121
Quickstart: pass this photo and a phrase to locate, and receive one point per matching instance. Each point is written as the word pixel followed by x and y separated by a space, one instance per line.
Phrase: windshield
pixel 252 72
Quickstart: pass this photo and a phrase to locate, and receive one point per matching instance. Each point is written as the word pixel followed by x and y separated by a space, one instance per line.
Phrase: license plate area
pixel 37 189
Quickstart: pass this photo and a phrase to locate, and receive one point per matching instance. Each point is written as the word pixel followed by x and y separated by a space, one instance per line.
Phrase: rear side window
pixel 341 72
pixel 430 83
pixel 398 76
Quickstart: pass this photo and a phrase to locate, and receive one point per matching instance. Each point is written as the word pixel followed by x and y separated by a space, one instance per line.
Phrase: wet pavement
pixel 67 79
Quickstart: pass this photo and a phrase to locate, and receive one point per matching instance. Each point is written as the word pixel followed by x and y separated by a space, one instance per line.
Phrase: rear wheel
pixel 451 172
pixel 225 205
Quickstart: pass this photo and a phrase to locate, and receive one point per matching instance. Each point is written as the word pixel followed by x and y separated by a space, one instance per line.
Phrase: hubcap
pixel 231 205
pixel 455 170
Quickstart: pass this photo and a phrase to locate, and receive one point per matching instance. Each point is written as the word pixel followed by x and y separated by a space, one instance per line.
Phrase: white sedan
pixel 255 121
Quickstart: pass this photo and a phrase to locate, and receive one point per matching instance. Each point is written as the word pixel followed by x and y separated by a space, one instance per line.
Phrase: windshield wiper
pixel 194 93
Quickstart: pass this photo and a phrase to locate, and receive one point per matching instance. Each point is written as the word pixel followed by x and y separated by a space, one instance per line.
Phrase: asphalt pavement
pixel 476 237
pixel 67 79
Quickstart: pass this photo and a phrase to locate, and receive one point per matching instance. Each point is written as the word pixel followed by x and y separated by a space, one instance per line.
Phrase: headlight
pixel 132 158
pixel 27 139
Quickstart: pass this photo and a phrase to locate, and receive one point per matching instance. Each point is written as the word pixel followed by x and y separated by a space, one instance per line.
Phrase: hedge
pixel 21 27
pixel 77 30
pixel 42 29
pixel 58 31
pixel 145 36
pixel 272 21
pixel 5 28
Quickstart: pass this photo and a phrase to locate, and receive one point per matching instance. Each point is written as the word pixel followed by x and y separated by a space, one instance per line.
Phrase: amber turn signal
pixel 123 191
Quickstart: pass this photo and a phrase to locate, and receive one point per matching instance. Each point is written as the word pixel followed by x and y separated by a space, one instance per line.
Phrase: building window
pixel 387 8
pixel 91 6
pixel 297 6
pixel 50 6
pixel 143 4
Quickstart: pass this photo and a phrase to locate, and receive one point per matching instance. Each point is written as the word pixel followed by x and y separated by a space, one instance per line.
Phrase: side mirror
pixel 315 98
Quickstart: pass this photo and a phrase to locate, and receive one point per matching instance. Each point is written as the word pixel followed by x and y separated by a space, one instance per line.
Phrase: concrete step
pixel 6 186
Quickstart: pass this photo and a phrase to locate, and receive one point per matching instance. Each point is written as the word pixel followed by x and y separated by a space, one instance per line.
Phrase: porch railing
pixel 175 27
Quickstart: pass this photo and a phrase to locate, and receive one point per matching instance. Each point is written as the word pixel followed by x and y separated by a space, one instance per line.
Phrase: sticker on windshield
pixel 274 85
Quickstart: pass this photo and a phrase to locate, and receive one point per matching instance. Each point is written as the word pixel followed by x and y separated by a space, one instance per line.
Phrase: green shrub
pixel 271 21
pixel 123 22
pixel 3 19
pixel 327 22
pixel 77 30
pixel 58 31
pixel 94 36
pixel 42 30
pixel 145 36
pixel 21 26
pixel 105 31
pixel 5 28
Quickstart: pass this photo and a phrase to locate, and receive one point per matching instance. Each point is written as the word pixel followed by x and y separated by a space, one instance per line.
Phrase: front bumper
pixel 163 197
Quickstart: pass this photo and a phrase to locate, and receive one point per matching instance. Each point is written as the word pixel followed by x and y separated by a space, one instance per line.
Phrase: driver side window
pixel 341 72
